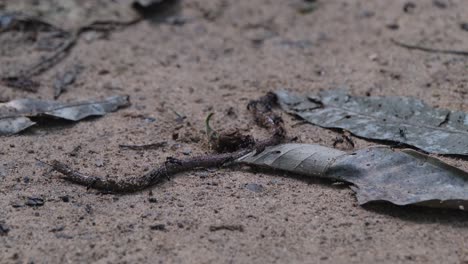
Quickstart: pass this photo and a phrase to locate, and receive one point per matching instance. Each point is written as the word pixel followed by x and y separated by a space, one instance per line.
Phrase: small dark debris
pixel 89 209
pixel 366 14
pixel 231 112
pixel 34 201
pixel 21 83
pixel 20 22
pixel 152 200
pixel 408 7
pixel 306 6
pixel 64 236
pixel 256 188
pixel 158 227
pixel 17 204
pixel 232 140
pixel 344 142
pixel 158 10
pixel 62 81
pixel 75 151
pixel 103 72
pixel 393 26
pixel 65 198
pixel 176 20
pixel 149 119
pixel 4 229
pixel 180 117
pixel 299 44
pixel 144 147
pixel 57 229
pixel 464 26
pixel 239 228
pixel 440 4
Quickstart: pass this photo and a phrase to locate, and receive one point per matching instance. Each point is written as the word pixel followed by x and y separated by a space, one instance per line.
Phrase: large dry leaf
pixel 400 119
pixel 15 115
pixel 378 173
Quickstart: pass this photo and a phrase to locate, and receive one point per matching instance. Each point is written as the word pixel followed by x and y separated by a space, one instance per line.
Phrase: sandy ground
pixel 227 53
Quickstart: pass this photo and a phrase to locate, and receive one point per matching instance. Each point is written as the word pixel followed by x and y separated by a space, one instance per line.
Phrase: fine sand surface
pixel 227 53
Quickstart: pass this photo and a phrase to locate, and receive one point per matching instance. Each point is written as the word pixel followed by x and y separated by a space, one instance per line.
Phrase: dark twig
pixel 63 50
pixel 44 64
pixel 239 228
pixel 134 184
pixel 263 115
pixel 21 82
pixel 144 147
pixel 427 49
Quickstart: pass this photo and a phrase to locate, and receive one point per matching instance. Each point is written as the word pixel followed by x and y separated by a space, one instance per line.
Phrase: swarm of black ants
pixel 229 146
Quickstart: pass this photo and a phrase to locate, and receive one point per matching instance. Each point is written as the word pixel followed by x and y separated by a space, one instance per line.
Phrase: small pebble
pixel 440 4
pixel 464 26
pixel 409 7
pixel 4 229
pixel 187 152
pixel 254 187
pixel 158 227
pixel 34 201
pixel 65 198
pixel 99 162
pixel 393 26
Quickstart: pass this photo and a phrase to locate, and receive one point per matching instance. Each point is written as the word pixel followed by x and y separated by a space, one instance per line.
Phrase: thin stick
pixel 59 54
pixel 63 50
pixel 134 184
pixel 432 50
pixel 143 147
pixel 263 115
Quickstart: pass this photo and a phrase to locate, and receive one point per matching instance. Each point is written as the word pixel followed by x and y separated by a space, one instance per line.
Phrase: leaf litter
pixel 399 119
pixel 378 173
pixel 25 16
pixel 65 79
pixel 15 116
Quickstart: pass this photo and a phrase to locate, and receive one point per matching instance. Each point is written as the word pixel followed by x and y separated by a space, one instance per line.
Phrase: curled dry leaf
pixel 378 173
pixel 15 115
pixel 393 118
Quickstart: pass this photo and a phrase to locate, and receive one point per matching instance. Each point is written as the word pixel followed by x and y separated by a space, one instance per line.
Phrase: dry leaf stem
pixel 431 50
pixel 261 110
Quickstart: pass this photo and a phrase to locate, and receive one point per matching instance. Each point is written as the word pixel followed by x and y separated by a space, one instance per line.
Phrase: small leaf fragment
pixel 15 115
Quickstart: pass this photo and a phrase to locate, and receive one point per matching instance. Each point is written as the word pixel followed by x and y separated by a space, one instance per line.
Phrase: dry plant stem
pixel 264 116
pixel 134 184
pixel 63 50
pixel 432 50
